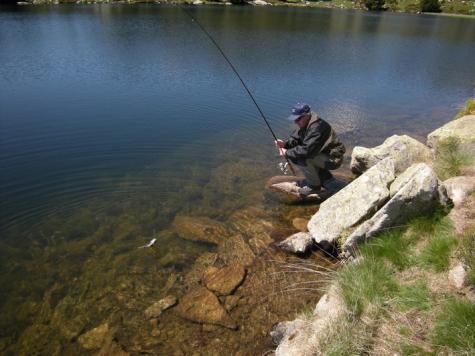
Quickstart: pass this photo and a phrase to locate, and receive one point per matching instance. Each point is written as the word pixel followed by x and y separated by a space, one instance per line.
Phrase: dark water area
pixel 119 124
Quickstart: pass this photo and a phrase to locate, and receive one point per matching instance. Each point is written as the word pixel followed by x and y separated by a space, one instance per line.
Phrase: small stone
pixel 155 333
pixel 300 224
pixel 224 281
pixel 458 276
pixel 94 338
pixel 297 243
pixel 156 309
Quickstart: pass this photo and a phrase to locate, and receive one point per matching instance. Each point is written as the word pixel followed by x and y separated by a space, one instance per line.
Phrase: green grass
pixel 413 296
pixel 466 252
pixel 348 337
pixel 468 109
pixel 455 328
pixel 449 159
pixel 436 254
pixel 393 246
pixel 365 284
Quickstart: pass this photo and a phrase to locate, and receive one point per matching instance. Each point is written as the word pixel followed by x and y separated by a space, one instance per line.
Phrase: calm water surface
pixel 116 119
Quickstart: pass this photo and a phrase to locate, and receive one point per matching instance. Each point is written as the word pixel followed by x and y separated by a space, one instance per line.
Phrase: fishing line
pixel 240 79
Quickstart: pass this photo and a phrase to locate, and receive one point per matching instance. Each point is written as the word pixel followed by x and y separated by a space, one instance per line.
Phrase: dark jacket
pixel 317 137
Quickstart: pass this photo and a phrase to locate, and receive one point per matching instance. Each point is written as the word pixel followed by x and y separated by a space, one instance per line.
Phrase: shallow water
pixel 116 119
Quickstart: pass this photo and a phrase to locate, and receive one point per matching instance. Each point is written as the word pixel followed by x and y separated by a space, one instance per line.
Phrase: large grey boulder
pixel 353 204
pixel 462 129
pixel 416 191
pixel 404 150
pixel 304 337
pixel 297 243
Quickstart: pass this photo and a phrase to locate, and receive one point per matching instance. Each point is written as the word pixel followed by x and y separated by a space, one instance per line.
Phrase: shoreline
pixel 408 277
pixel 345 5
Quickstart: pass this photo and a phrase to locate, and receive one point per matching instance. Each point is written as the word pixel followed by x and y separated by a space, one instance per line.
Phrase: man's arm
pixel 313 142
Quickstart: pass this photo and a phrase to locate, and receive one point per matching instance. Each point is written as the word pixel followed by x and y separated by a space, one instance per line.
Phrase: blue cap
pixel 298 110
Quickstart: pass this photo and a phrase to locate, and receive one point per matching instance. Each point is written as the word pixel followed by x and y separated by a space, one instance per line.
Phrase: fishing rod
pixel 284 166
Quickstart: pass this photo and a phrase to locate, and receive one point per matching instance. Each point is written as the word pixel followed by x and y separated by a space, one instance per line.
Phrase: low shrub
pixel 374 5
pixel 429 6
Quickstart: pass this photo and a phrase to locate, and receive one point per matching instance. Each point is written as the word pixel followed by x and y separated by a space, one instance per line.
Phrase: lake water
pixel 116 119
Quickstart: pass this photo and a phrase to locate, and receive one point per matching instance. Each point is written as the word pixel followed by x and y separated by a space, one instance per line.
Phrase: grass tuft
pixel 468 109
pixel 414 295
pixel 466 252
pixel 438 251
pixel 365 284
pixel 392 246
pixel 349 337
pixel 449 159
pixel 455 327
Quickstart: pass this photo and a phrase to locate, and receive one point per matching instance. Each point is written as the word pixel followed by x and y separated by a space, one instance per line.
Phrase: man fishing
pixel 315 148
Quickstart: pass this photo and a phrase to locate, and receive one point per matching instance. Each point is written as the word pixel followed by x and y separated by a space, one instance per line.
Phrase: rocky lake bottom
pixel 66 276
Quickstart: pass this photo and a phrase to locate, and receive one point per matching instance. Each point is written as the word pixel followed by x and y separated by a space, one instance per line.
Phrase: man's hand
pixel 279 144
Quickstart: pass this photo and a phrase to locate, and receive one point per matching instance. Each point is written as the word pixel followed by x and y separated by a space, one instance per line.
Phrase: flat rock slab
pixel 200 229
pixel 156 309
pixel 288 185
pixel 202 306
pixel 463 129
pixel 404 150
pixel 224 281
pixel 354 203
pixel 298 243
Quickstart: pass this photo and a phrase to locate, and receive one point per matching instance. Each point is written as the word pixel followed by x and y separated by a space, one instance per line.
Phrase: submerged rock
pixel 417 191
pixel 224 281
pixel 354 203
pixel 300 224
pixel 404 150
pixel 298 243
pixel 463 129
pixel 200 229
pixel 234 249
pixel 94 338
pixel 202 306
pixel 231 301
pixel 156 309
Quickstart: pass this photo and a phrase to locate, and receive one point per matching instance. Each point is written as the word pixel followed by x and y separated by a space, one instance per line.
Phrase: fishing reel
pixel 284 167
